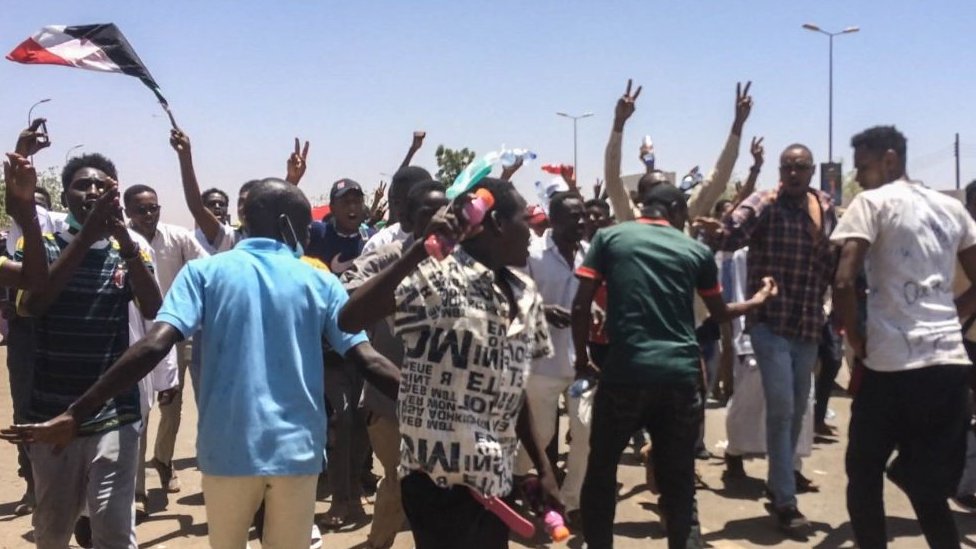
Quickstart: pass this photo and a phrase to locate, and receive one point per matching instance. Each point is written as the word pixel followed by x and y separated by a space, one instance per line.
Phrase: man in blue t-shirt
pixel 337 242
pixel 262 314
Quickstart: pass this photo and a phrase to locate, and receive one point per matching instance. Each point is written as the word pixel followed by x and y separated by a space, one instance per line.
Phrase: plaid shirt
pixel 785 244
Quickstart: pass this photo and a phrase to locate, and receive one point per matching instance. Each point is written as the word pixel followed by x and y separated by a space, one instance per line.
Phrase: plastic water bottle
pixel 439 246
pixel 579 387
pixel 509 157
pixel 647 152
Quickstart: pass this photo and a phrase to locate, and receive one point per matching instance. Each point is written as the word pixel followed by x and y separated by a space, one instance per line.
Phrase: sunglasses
pixel 147 209
pixel 797 167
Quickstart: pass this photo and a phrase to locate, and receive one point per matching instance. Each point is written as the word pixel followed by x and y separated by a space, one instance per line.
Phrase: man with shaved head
pixel 262 314
pixel 787 230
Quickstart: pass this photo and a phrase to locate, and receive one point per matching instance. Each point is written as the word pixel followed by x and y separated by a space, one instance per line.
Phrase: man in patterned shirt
pixel 81 327
pixel 787 230
pixel 470 325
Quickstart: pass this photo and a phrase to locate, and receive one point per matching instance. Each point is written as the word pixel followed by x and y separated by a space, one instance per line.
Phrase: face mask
pixel 288 234
pixel 72 222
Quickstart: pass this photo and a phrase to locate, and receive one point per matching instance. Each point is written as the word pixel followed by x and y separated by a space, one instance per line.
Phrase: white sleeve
pixel 859 221
pixel 968 237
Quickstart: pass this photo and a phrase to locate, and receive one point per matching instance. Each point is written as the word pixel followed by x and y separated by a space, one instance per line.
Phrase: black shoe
pixel 967 502
pixel 791 521
pixel 734 467
pixel 804 485
pixel 83 534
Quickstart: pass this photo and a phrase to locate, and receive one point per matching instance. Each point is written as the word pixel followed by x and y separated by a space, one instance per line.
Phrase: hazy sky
pixel 356 78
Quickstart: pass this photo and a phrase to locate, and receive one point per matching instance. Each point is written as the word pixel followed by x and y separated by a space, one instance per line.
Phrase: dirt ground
pixel 732 515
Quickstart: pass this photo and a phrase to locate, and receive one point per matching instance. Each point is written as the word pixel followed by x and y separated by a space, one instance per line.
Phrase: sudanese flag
pixel 94 47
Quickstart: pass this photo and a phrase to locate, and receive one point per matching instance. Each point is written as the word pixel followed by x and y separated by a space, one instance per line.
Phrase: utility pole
pixel 957 160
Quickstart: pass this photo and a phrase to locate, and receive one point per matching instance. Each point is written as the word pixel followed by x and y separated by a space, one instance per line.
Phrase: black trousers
pixel 671 414
pixel 830 352
pixel 449 518
pixel 923 414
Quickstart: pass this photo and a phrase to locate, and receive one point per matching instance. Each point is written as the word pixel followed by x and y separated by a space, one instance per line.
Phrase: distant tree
pixel 851 186
pixel 450 162
pixel 49 179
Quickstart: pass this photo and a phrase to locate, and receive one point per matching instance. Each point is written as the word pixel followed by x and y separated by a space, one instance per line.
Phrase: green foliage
pixel 851 187
pixel 49 179
pixel 450 162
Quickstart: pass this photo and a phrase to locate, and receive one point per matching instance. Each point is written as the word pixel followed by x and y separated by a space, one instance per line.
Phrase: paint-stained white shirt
pixel 915 234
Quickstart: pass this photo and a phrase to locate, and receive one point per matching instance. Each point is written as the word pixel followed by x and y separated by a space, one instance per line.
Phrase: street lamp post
pixel 575 148
pixel 830 82
pixel 30 111
pixel 68 153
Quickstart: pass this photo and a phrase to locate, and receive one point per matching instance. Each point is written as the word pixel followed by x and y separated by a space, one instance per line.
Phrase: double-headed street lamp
pixel 830 84
pixel 575 119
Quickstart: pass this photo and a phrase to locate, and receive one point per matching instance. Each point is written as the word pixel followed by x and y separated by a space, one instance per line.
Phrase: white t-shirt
pixel 915 234
pixel 50 223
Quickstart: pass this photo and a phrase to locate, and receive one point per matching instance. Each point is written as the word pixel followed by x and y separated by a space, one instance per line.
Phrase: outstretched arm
pixel 376 369
pixel 722 311
pixel 132 366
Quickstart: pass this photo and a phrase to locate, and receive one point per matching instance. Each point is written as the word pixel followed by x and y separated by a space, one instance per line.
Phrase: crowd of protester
pixel 314 344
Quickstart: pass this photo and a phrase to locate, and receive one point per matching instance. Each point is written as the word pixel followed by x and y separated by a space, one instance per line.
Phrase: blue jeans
pixel 785 366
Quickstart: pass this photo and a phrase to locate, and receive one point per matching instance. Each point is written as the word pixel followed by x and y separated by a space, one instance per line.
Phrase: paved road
pixel 732 515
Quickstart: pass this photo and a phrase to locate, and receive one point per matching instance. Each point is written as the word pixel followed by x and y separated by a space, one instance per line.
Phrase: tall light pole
pixel 30 111
pixel 830 83
pixel 68 153
pixel 575 119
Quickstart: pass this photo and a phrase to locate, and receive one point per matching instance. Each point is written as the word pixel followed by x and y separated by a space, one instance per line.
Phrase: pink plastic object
pixel 555 525
pixel 554 522
pixel 439 246
pixel 515 522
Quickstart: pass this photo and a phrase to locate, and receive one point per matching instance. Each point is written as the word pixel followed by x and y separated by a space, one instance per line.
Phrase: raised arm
pixel 132 366
pixel 749 187
pixel 207 222
pixel 623 208
pixel 704 197
pixel 21 180
pixel 418 141
pixel 297 163
pixel 35 302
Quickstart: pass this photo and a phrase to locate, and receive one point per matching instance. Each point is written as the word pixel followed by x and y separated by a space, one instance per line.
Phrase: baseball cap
pixel 342 187
pixel 664 193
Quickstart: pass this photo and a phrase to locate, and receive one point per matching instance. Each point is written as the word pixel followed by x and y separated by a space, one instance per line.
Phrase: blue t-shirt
pixel 262 315
pixel 333 248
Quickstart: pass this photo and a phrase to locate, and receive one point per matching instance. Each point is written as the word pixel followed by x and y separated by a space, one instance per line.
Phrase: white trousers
pixel 543 394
